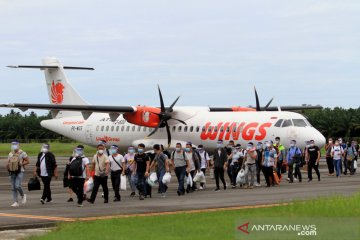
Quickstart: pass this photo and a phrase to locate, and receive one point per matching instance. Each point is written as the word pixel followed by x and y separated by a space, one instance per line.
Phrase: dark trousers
pixel 204 171
pixel 350 165
pixel 180 174
pixel 345 166
pixel 97 182
pixel 115 182
pixel 141 183
pixel 77 186
pixel 234 171
pixel 297 173
pixel 229 170
pixel 290 173
pixel 269 175
pixel 311 166
pixel 188 188
pixel 47 191
pixel 258 170
pixel 219 174
pixel 278 168
pixel 330 164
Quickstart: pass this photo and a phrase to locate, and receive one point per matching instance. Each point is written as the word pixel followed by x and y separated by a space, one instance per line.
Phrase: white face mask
pixel 268 145
pixel 100 151
pixel 44 150
pixel 311 145
pixel 14 147
pixel 292 144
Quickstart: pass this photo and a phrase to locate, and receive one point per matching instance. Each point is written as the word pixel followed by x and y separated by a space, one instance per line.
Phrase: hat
pixel 189 143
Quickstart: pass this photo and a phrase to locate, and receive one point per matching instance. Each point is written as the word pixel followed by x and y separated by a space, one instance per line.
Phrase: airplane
pixel 130 125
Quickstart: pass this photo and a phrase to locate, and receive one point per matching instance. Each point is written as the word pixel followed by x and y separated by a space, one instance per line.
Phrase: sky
pixel 212 53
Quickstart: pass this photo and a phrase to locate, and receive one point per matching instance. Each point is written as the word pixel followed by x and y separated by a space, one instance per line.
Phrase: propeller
pixel 258 108
pixel 164 116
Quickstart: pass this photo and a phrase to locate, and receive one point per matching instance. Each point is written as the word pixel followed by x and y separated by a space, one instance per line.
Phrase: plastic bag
pixel 89 185
pixel 199 177
pixel 355 164
pixel 153 177
pixel 150 182
pixel 123 182
pixel 189 180
pixel 240 178
pixel 166 178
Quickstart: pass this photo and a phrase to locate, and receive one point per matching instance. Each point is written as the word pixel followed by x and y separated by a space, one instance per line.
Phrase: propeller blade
pixel 168 133
pixel 155 130
pixel 172 105
pixel 161 100
pixel 257 100
pixel 179 120
pixel 267 105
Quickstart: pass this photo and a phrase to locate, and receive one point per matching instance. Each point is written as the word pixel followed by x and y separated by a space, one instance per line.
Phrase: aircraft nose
pixel 319 139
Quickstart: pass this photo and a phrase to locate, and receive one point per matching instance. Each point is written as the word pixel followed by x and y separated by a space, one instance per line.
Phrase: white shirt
pixel 43 171
pixel 190 157
pixel 337 152
pixel 236 156
pixel 114 166
pixel 204 158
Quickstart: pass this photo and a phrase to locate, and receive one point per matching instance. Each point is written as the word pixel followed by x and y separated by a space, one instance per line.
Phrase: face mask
pixel 178 149
pixel 311 145
pixel 131 150
pixel 100 151
pixel 337 144
pixel 259 146
pixel 187 149
pixel 330 142
pixel 277 141
pixel 292 145
pixel 201 150
pixel 44 150
pixel 218 145
pixel 340 142
pixel 78 153
pixel 268 145
pixel 113 151
pixel 14 147
pixel 249 147
pixel 140 150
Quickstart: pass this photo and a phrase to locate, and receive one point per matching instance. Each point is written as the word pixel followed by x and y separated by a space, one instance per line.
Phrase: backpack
pixel 173 154
pixel 76 169
pixel 14 163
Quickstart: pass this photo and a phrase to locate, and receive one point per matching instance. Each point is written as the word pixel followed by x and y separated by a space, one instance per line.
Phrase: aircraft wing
pixel 245 109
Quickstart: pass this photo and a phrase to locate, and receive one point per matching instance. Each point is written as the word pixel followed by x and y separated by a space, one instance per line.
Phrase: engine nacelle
pixel 242 109
pixel 144 116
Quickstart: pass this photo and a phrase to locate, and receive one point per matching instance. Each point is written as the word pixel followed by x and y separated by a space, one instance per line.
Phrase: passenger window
pixel 112 128
pixel 191 129
pixel 117 128
pixel 179 129
pixel 278 123
pixel 215 129
pixel 234 129
pixel 127 128
pixel 308 123
pixel 122 128
pixel 197 129
pixel 287 123
pixel 185 129
pixel 203 129
pixel 174 128
pixel 228 129
pixel 107 128
pixel 139 128
pixel 133 129
pixel 221 129
pixel 209 129
pixel 102 128
pixel 299 123
pixel 97 128
pixel 144 129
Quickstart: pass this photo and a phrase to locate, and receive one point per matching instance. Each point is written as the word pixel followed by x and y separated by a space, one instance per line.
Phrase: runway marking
pixel 184 211
pixel 63 219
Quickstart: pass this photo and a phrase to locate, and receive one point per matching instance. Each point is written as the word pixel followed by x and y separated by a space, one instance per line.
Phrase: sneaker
pixel 225 187
pixel 217 189
pixel 70 200
pixel 23 201
pixel 132 194
pixel 163 195
pixel 49 201
pixel 288 179
pixel 201 188
pixel 295 179
pixel 141 197
pixel 89 201
pixel 117 200
pixel 257 185
pixel 80 205
pixel 178 193
pixel 233 186
pixel 15 204
pixel 42 201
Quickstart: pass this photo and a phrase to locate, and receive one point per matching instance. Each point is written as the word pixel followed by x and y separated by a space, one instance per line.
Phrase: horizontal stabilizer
pixel 49 67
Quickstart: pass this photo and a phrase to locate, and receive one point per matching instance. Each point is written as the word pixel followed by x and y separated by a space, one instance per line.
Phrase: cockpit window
pixel 299 123
pixel 287 123
pixel 308 123
pixel 278 123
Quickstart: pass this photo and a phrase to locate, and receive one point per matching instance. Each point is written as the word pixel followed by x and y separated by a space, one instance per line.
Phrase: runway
pixel 34 214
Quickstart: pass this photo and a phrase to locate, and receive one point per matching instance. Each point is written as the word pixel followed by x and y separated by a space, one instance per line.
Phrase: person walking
pixel 351 154
pixel 280 168
pixel 181 165
pixel 269 163
pixel 162 166
pixel 259 151
pixel 129 169
pixel 141 170
pixel 250 165
pixel 313 159
pixel 204 162
pixel 237 159
pixel 17 160
pixel 220 158
pixel 78 172
pixel 117 167
pixel 194 160
pixel 46 169
pixel 101 165
pixel 293 158
pixel 329 159
pixel 337 152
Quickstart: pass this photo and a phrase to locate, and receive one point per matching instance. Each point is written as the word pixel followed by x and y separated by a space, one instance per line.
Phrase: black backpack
pixel 76 169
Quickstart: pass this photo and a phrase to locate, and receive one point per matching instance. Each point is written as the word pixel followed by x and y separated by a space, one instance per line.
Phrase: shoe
pixel 187 190
pixel 23 201
pixel 178 193
pixel 225 187
pixel 89 201
pixel 300 180
pixel 201 188
pixel 49 201
pixel 217 189
pixel 70 200
pixel 251 187
pixel 309 180
pixel 288 179
pixel 233 186
pixel 42 201
pixel 141 197
pixel 102 195
pixel 319 179
pixel 15 204
pixel 132 194
pixel 106 201
pixel 117 200
pixel 80 205
pixel 257 185
pixel 295 179
pixel 163 195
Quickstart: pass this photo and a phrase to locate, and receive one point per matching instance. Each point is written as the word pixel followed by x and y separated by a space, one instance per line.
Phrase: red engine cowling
pixel 144 116
pixel 243 109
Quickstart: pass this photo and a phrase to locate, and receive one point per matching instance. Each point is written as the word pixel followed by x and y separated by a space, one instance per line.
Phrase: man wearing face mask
pixel 142 166
pixel 182 166
pixel 129 169
pixel 117 166
pixel 282 156
pixel 220 158
pixel 46 168
pixel 101 164
pixel 259 152
pixel 237 157
pixel 293 158
pixel 78 171
pixel 250 165
pixel 313 159
pixel 337 152
pixel 17 160
pixel 204 162
pixel 194 160
pixel 230 150
pixel 268 163
pixel 351 154
pixel 342 164
pixel 329 159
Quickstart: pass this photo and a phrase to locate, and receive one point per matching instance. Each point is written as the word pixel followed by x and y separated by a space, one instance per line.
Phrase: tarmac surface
pixel 35 215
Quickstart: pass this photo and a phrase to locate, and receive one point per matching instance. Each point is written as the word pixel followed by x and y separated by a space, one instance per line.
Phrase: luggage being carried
pixel 123 182
pixel 88 185
pixel 76 167
pixel 166 178
pixel 34 184
pixel 14 162
pixel 276 178
pixel 240 178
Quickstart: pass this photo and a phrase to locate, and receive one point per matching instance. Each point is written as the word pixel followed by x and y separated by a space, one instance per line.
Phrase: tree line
pixel 337 122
